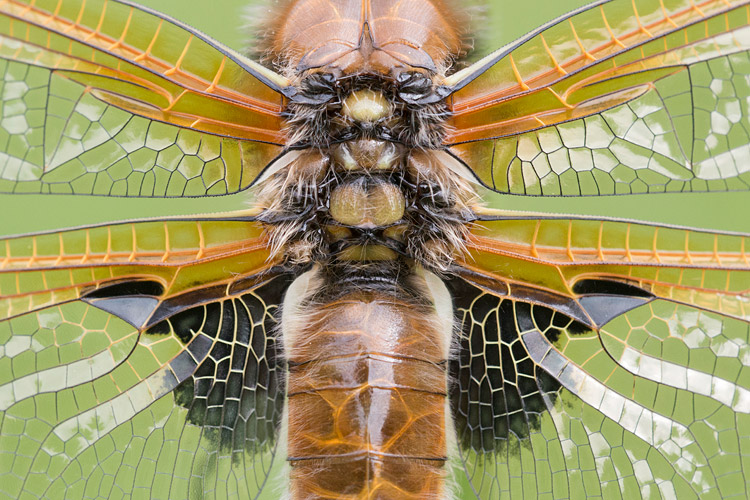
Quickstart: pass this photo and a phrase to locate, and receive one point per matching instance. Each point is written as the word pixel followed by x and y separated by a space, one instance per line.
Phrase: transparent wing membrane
pixel 85 397
pixel 594 357
pixel 622 97
pixel 107 98
pixel 632 382
pixel 41 270
pixel 149 345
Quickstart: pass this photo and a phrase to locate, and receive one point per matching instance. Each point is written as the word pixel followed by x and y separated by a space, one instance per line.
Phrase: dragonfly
pixel 592 356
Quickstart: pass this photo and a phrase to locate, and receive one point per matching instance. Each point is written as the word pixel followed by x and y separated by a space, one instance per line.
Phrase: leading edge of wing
pixel 159 257
pixel 215 115
pixel 274 80
pixel 617 98
pixel 270 78
pixel 175 73
pixel 589 262
pixel 460 79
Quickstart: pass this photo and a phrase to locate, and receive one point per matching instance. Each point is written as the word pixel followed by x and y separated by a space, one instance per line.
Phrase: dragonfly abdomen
pixel 367 392
pixel 366 194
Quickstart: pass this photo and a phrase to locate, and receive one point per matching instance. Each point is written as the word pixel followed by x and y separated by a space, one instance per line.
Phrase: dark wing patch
pixel 498 391
pixel 234 383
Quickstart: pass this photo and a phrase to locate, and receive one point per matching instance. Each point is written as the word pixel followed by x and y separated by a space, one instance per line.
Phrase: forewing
pixel 141 351
pixel 623 96
pixel 105 97
pixel 617 379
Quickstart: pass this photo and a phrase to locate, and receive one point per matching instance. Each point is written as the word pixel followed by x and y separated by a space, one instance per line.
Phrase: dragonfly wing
pixel 109 98
pixel 149 342
pixel 171 255
pixel 619 97
pixel 620 408
pixel 585 257
pixel 501 398
pixel 231 383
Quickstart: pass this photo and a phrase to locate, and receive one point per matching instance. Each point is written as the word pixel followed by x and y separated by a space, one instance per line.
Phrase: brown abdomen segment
pixel 366 395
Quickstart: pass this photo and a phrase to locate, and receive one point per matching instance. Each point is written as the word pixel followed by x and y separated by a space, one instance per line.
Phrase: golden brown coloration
pixel 621 97
pixel 366 395
pixel 364 36
pixel 378 127
pixel 370 199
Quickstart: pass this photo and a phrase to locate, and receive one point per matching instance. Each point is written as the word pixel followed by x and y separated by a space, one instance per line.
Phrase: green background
pixel 500 22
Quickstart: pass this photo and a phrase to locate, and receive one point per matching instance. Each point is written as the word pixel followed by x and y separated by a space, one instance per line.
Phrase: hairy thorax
pixel 367 195
pixel 365 179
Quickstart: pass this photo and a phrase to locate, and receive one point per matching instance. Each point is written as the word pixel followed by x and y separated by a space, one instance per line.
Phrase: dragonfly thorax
pixel 364 179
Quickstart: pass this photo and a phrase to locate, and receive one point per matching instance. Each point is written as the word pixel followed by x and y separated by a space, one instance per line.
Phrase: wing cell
pixel 38 271
pixel 621 97
pixel 610 343
pixel 198 370
pixel 545 405
pixel 108 98
pixel 698 268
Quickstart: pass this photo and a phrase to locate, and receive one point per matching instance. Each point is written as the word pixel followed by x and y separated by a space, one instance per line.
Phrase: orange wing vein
pixel 179 255
pixel 556 256
pixel 618 97
pixel 127 61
